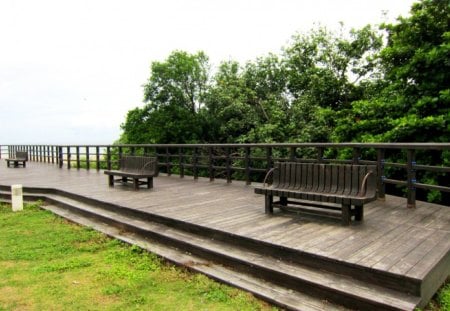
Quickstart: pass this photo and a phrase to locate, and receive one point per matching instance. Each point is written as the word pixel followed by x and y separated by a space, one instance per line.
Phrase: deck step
pixel 282 280
pixel 367 275
pixel 278 295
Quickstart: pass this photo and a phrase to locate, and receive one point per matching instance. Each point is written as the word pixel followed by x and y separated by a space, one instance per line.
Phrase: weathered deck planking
pixel 392 238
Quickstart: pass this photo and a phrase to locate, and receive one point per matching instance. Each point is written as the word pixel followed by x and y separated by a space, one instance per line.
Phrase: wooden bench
pixel 321 187
pixel 20 159
pixel 134 168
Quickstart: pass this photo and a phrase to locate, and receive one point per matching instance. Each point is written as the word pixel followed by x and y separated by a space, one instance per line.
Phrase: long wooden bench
pixel 321 187
pixel 134 168
pixel 20 159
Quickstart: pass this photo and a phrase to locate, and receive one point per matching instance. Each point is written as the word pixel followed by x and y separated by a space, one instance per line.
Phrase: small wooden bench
pixel 330 185
pixel 20 159
pixel 134 168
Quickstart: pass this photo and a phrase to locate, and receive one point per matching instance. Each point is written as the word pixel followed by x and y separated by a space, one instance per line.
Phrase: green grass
pixel 47 263
pixel 441 301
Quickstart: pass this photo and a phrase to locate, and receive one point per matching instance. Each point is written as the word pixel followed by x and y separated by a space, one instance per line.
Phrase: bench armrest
pixel 364 183
pixel 270 172
pixel 150 163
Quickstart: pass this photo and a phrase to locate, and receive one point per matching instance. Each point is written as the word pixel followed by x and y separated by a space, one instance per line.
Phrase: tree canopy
pixel 385 84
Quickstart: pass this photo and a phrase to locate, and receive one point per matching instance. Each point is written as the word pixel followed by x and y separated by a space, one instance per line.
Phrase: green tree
pixel 248 103
pixel 181 80
pixel 325 66
pixel 227 112
pixel 173 96
pixel 412 102
pixel 325 73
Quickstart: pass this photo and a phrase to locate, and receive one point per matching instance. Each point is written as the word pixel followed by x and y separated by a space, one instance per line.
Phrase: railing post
pixel 97 157
pixel 52 150
pixel 228 164
pixel 292 157
pixel 168 162
pixel 60 156
pixel 69 158
pixel 269 158
pixel 120 153
pixel 194 164
pixel 320 154
pixel 210 164
pixel 181 160
pixel 88 164
pixel 40 153
pixel 247 166
pixel 108 158
pixel 77 150
pixel 381 186
pixel 411 173
pixel 356 155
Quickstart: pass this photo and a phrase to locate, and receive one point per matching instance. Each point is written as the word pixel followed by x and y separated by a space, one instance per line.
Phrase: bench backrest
pixel 22 155
pixel 340 179
pixel 139 164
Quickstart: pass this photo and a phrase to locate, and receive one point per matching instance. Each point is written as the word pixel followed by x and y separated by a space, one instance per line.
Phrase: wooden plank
pixel 334 179
pixel 356 170
pixel 298 176
pixel 416 255
pixel 403 246
pixel 429 261
pixel 361 247
pixel 382 241
pixel 276 175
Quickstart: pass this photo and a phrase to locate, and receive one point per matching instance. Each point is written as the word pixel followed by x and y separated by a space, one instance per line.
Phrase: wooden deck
pixel 413 243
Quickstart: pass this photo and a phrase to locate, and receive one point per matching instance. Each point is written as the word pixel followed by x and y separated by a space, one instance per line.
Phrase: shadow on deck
pixel 396 259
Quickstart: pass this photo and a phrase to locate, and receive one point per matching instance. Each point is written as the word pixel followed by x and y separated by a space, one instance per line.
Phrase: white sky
pixel 70 70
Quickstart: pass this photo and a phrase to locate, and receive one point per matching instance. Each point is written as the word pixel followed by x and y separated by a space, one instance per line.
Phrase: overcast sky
pixel 70 70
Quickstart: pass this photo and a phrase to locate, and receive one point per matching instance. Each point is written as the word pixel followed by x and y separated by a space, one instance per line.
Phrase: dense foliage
pixel 385 84
pixel 411 101
pixel 323 87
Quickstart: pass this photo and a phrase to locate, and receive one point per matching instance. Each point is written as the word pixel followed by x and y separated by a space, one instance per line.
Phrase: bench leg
pixel 7 163
pixel 111 180
pixel 283 201
pixel 150 182
pixel 359 213
pixel 24 164
pixel 346 215
pixel 124 179
pixel 269 204
pixel 136 183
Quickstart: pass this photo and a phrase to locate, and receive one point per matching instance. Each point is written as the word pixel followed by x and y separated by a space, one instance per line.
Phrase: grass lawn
pixel 47 263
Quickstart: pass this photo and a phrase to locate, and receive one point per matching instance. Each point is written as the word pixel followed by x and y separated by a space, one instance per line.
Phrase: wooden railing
pixel 396 162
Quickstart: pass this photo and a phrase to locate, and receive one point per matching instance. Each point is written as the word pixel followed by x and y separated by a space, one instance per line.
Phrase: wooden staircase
pixel 288 278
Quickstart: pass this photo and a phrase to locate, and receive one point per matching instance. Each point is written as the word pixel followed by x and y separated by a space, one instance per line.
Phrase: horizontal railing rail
pixel 396 162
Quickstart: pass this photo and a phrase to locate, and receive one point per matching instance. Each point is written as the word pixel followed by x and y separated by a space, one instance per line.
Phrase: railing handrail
pixel 220 160
pixel 403 145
